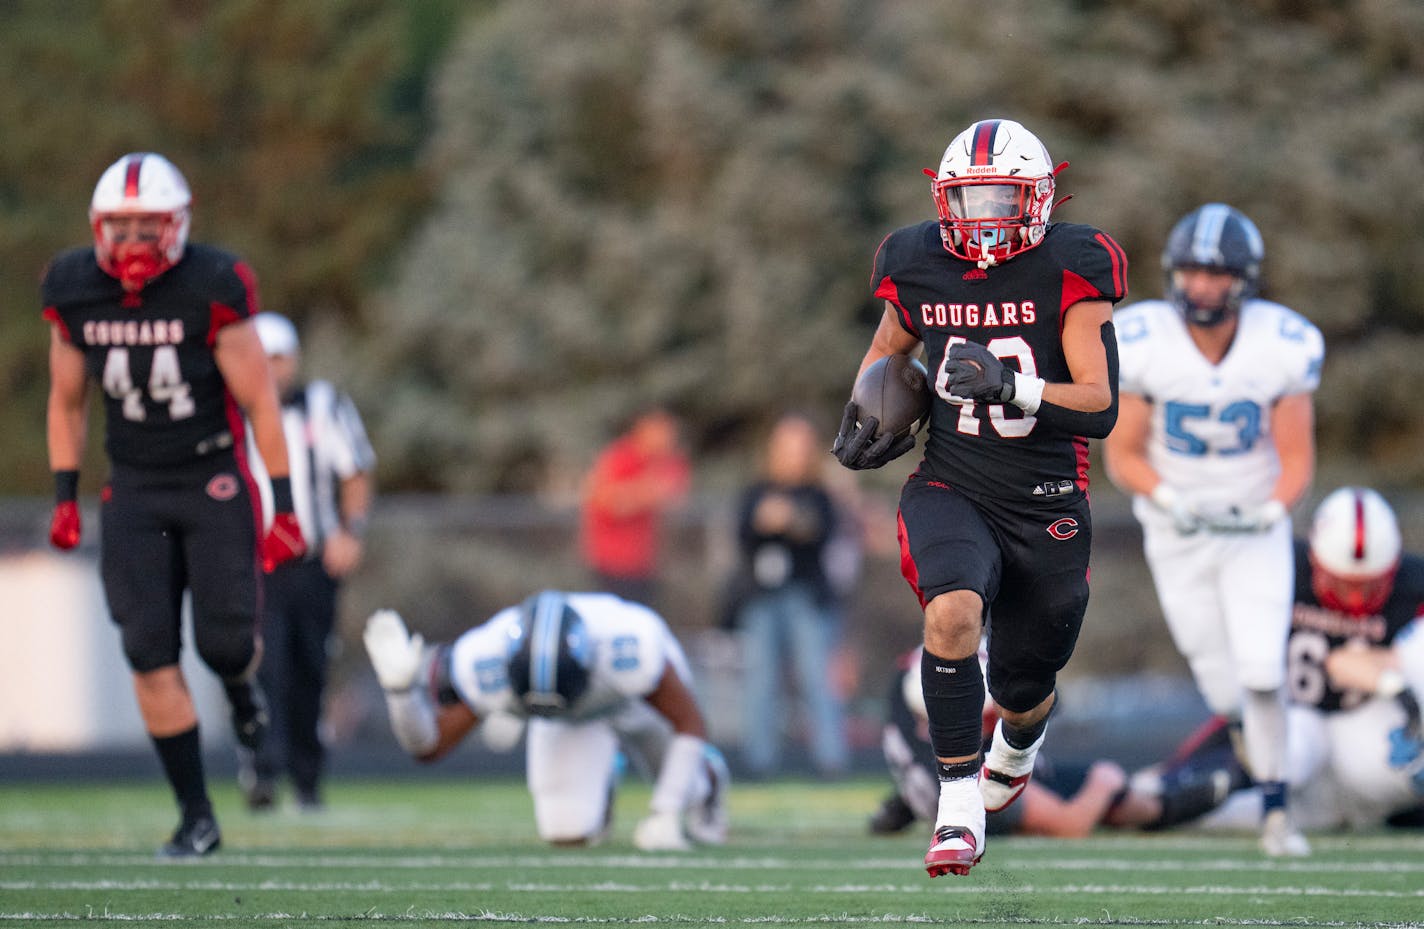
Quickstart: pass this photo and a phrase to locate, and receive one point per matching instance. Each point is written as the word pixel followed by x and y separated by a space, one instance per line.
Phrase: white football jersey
pixel 632 646
pixel 1210 437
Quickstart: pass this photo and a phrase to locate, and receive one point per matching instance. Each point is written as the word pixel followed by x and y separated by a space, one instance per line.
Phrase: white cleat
pixel 661 832
pixel 1280 838
pixel 1006 770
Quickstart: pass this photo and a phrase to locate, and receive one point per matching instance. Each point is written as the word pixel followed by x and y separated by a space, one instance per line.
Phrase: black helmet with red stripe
pixel 993 192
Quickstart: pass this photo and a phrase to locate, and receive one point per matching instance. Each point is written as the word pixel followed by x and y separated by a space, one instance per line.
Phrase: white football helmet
pixel 1355 549
pixel 993 192
pixel 276 333
pixel 141 184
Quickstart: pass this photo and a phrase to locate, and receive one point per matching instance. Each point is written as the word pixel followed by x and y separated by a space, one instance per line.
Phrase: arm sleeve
pixel 1076 422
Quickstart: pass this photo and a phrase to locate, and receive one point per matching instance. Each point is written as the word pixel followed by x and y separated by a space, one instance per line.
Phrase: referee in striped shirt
pixel 332 467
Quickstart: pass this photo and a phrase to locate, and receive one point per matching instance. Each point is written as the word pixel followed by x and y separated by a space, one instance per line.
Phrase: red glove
pixel 64 525
pixel 283 541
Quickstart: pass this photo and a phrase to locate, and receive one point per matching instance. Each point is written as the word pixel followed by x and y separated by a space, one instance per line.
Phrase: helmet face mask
pixel 140 214
pixel 1355 549
pixel 993 192
pixel 551 655
pixel 1215 238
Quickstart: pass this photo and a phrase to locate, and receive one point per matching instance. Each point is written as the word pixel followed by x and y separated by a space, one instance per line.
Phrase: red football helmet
pixel 993 192
pixel 140 214
pixel 1354 551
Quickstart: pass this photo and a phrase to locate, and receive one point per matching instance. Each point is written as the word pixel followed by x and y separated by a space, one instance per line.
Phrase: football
pixel 896 391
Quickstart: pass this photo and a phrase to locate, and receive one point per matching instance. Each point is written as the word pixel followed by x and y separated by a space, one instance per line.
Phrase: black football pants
pixel 299 609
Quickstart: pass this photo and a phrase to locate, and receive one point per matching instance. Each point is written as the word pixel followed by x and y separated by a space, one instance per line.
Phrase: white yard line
pixel 425 916
pixel 587 860
pixel 622 887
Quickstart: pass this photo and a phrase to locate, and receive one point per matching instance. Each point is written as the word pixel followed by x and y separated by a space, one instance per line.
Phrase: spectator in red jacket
pixel 636 479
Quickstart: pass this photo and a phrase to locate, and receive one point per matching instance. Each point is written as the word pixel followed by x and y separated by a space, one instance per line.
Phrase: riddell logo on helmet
pixel 981 169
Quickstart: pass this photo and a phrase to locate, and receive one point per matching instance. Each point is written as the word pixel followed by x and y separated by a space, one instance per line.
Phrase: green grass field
pixel 425 852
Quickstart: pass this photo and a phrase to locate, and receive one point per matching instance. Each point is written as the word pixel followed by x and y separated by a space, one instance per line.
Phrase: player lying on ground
pixel 592 674
pixel 1062 801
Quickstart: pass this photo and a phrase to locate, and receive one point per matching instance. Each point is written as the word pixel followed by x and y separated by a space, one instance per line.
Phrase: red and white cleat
pixel 954 851
pixel 1001 789
pixel 1006 770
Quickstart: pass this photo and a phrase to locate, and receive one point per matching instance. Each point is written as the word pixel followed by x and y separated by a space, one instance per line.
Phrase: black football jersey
pixel 1016 310
pixel 152 352
pixel 1317 631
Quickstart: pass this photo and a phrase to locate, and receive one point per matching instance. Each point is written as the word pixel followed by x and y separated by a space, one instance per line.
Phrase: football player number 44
pixel 165 384
pixel 969 422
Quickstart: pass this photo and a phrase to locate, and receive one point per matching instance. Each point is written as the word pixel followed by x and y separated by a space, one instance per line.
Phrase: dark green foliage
pixel 681 200
pixel 671 199
pixel 296 124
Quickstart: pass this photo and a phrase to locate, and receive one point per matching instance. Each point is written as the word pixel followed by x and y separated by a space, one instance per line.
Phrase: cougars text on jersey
pixel 1016 310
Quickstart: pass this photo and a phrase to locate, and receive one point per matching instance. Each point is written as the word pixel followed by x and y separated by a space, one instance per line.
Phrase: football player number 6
pixel 165 384
pixel 1005 348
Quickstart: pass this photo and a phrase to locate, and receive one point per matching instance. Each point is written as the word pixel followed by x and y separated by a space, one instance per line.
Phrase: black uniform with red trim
pixel 1316 631
pixel 179 510
pixel 999 503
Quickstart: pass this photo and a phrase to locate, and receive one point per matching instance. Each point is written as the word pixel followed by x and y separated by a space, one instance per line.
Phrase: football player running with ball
pixel 1215 439
pixel 1015 317
pixel 162 326
pixel 592 673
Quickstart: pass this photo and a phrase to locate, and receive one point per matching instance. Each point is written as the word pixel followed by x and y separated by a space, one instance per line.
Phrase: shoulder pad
pixel 74 276
pixel 1093 256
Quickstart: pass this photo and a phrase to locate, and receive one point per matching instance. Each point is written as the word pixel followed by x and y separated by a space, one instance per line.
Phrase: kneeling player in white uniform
pixel 592 674
pixel 1215 438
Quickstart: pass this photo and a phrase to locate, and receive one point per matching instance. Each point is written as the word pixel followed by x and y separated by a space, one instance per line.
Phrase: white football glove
pixel 501 731
pixel 661 832
pixel 1185 517
pixel 1248 520
pixel 395 653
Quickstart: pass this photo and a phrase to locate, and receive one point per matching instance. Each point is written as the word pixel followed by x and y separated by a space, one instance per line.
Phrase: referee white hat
pixel 278 335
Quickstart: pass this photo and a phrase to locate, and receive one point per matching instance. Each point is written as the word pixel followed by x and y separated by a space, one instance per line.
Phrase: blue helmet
pixel 551 655
pixel 1218 238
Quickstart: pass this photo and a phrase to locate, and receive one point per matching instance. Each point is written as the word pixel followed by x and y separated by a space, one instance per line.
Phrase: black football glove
pixel 975 373
pixel 856 446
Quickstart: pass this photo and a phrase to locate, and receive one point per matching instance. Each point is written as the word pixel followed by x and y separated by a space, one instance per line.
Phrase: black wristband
pixel 1009 387
pixel 66 486
pixel 282 495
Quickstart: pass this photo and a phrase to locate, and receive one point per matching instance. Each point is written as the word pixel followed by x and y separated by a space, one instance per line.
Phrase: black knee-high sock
pixel 182 760
pixel 1023 738
pixel 954 701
